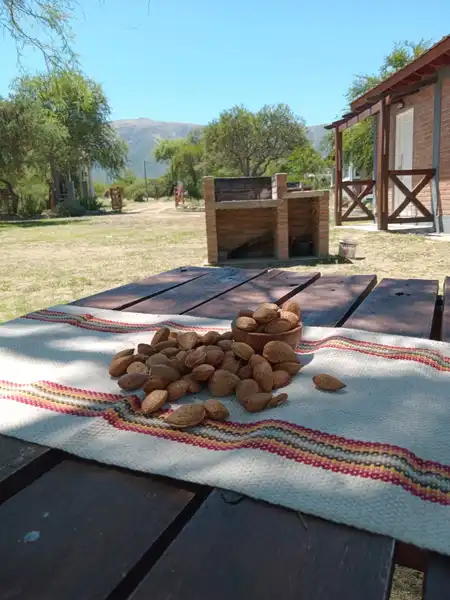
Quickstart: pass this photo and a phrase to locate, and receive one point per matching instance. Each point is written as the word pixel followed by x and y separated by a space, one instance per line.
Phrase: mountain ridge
pixel 143 134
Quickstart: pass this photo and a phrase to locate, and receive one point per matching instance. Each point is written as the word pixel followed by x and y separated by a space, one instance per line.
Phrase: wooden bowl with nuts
pixel 268 323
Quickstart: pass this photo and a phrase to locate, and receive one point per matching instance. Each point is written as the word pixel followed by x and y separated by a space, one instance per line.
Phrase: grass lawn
pixel 58 260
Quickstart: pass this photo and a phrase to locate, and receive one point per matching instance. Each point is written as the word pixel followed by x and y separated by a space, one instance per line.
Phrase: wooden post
pixel 338 181
pixel 279 189
pixel 387 129
pixel 382 178
pixel 210 219
pixel 436 152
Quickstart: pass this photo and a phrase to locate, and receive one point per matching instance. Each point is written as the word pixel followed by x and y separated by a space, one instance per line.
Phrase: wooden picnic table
pixel 112 534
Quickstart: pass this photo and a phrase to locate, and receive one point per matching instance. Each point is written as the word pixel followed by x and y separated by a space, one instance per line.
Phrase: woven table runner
pixel 375 455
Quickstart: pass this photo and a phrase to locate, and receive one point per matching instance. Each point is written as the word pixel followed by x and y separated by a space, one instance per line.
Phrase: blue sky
pixel 186 60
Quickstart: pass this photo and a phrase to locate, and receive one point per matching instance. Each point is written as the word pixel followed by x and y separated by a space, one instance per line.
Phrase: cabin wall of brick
pixel 444 157
pixel 423 105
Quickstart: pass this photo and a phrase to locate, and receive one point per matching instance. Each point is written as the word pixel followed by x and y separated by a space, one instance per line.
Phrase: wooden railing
pixel 357 199
pixel 411 195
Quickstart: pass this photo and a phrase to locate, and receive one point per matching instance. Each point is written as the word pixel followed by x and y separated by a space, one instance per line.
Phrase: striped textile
pixel 375 455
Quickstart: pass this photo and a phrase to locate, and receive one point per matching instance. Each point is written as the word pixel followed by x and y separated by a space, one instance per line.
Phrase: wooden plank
pixel 437 578
pixel 338 181
pixel 330 299
pixel 445 330
pixel 254 550
pixel 194 293
pixel 400 220
pixel 127 295
pixel 251 537
pixel 428 172
pixel 92 523
pixel 21 462
pixel 398 306
pixel 244 204
pixel 274 286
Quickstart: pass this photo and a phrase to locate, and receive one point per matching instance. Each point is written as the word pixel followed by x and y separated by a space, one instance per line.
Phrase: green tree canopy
pixel 40 24
pixel 358 141
pixel 243 143
pixel 185 158
pixel 76 128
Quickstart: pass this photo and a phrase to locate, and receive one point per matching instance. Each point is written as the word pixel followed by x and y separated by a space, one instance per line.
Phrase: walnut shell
pixel 223 383
pixel 225 344
pixel 290 367
pixel 122 353
pixel 177 389
pixel 245 388
pixel 256 402
pixel 215 410
pixel 266 313
pixel 243 351
pixel 157 359
pixel 278 326
pixel 246 324
pixel 164 345
pixel 214 356
pixel 279 352
pixel 187 340
pixel 154 401
pixel 194 386
pixel 292 307
pixel 263 374
pixel 202 372
pixel 328 383
pixel 138 367
pixel 277 400
pixel 245 372
pixel 280 379
pixel 186 416
pixel 132 381
pixel 194 358
pixel 161 335
pixel 119 366
pixel 146 349
pixel 211 338
pixel 165 372
pixel 155 383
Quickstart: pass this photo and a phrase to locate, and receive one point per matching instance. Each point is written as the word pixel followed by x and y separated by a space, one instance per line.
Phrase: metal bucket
pixel 347 248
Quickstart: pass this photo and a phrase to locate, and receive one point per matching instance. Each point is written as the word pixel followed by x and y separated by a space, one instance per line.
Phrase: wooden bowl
pixel 258 340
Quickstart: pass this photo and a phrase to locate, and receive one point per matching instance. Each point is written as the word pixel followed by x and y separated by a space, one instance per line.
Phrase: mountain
pixel 142 135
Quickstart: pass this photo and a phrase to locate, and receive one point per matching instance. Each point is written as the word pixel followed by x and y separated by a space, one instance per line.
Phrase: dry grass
pixel 53 261
pixel 56 261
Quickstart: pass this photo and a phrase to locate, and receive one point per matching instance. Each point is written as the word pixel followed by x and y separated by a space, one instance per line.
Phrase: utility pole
pixel 145 176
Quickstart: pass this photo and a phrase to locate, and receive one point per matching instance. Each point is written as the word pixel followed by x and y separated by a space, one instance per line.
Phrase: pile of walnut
pixel 269 318
pixel 176 364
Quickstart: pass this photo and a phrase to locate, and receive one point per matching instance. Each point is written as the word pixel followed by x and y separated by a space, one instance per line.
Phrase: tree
pixel 22 18
pixel 306 164
pixel 357 143
pixel 127 178
pixel 245 143
pixel 185 158
pixel 75 129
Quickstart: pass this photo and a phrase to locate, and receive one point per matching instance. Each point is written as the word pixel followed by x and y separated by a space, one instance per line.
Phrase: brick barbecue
pixel 259 218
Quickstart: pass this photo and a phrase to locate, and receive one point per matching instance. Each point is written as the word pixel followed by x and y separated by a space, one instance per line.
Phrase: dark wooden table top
pixel 104 533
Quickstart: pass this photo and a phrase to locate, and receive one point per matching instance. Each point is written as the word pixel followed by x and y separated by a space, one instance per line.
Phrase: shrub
pixel 91 203
pixel 30 206
pixel 100 188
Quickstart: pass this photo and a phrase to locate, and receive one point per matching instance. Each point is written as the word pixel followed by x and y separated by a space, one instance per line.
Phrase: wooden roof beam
pixel 434 53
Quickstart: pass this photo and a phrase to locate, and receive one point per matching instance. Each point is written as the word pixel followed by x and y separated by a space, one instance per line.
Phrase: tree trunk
pixel 54 193
pixel 12 193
